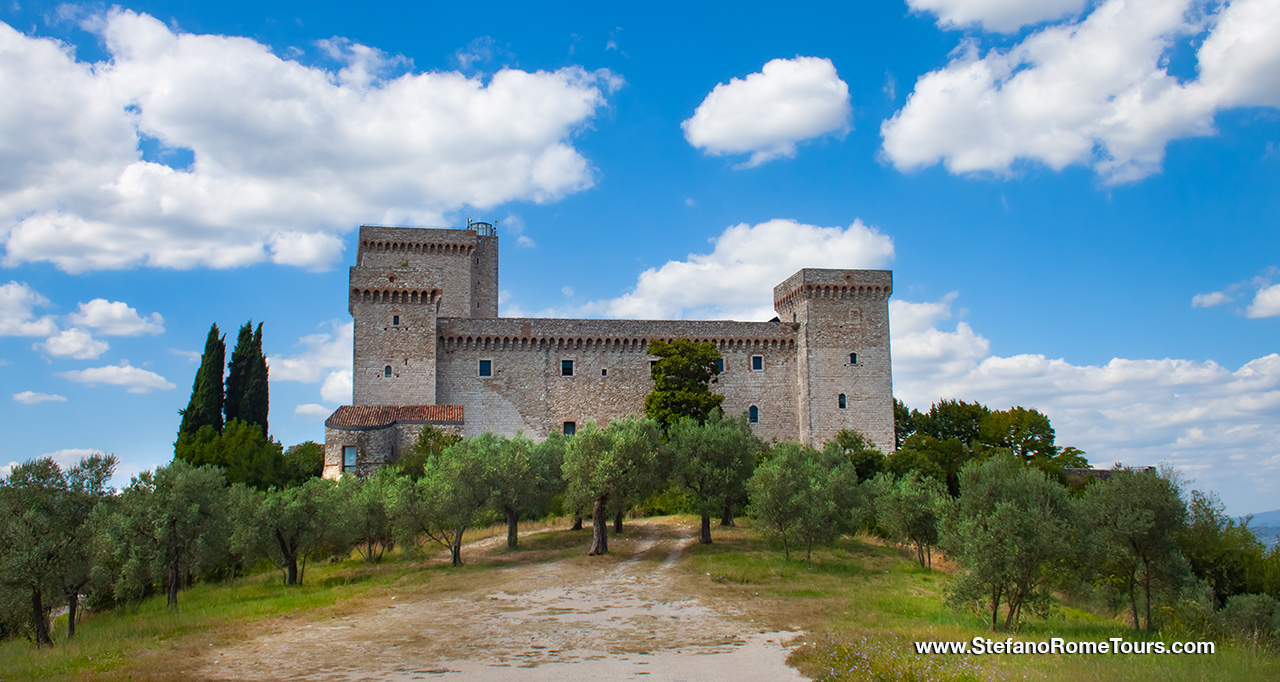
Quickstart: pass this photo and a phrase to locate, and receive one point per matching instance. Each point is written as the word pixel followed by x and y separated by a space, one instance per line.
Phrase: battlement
pixel 830 283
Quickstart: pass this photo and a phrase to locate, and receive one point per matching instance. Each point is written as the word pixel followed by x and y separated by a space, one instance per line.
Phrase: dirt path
pixel 564 620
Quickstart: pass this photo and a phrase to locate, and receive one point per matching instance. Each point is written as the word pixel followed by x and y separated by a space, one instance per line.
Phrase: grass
pixel 863 605
pixel 140 643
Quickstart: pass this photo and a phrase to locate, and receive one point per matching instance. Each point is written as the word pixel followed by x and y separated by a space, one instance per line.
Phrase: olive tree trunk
pixel 599 529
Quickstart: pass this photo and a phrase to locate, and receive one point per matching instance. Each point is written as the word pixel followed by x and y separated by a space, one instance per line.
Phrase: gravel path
pixel 555 621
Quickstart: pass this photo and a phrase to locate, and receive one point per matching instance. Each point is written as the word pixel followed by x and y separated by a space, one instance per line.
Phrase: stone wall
pixel 374 447
pixel 527 391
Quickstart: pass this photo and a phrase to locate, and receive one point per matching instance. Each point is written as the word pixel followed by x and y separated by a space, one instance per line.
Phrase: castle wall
pixel 611 379
pixel 374 447
pixel 842 312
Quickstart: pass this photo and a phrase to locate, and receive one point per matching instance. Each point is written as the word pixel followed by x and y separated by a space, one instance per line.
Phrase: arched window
pixel 853 358
pixel 753 414
pixel 842 401
pixel 386 371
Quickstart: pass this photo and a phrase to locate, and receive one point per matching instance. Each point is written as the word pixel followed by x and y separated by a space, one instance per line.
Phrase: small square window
pixel 395 320
pixel 566 368
pixel 570 428
pixel 757 362
pixel 604 372
pixel 720 366
pixel 348 457
pixel 853 358
pixel 486 368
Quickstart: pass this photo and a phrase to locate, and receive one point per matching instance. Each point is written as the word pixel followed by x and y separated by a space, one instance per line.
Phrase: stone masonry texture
pixel 425 305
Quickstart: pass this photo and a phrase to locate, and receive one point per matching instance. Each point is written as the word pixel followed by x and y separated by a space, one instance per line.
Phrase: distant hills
pixel 1266 526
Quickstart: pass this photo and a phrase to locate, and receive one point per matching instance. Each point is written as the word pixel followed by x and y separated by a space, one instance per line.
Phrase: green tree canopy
pixel 909 509
pixel 952 419
pixel 243 451
pixel 1136 518
pixel 452 495
pixel 802 496
pixel 247 388
pixel 523 475
pixel 712 460
pixel 430 442
pixel 866 458
pixel 682 379
pixel 290 525
pixel 608 468
pixel 1009 530
pixel 205 406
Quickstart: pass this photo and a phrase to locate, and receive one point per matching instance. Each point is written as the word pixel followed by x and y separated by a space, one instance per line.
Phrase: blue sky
pixel 1078 199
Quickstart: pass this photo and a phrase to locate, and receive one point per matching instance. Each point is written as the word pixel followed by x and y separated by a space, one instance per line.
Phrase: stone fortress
pixel 431 349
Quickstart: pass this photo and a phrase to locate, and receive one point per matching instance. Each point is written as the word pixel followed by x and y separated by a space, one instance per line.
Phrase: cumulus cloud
pixel 116 318
pixel 766 114
pixel 1210 300
pixel 286 157
pixel 319 352
pixel 1219 425
pixel 1266 303
pixel 313 411
pixel 137 380
pixel 33 398
pixel 337 387
pixel 73 343
pixel 996 15
pixel 17 310
pixel 1096 93
pixel 736 280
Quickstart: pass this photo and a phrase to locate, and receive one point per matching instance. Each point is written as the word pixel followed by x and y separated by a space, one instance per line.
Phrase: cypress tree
pixel 246 398
pixel 205 407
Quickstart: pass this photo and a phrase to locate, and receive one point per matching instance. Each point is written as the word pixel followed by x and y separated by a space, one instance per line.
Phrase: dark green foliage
pixel 1136 517
pixel 431 442
pixel 1253 618
pixel 1010 530
pixel 166 525
pixel 363 515
pixel 290 526
pixel 865 457
pixel 904 422
pixel 952 419
pixel 1025 433
pixel 909 510
pixel 242 451
pixel 713 461
pixel 523 476
pixel 205 406
pixel 1219 550
pixel 944 459
pixel 247 390
pixel 452 495
pixel 682 379
pixel 609 469
pixel 802 496
pixel 302 462
pixel 46 533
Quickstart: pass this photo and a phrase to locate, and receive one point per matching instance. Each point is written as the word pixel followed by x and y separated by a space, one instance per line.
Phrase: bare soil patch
pixel 632 615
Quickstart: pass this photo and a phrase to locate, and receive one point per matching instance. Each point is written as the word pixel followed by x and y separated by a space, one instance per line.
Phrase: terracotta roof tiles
pixel 362 417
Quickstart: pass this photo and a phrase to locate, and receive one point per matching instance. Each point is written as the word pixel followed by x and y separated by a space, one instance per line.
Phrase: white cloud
pixel 1266 303
pixel 73 343
pixel 17 310
pixel 1210 300
pixel 136 379
pixel 33 398
pixel 1095 93
pixel 287 157
pixel 337 387
pixel 116 318
pixel 6 469
pixel 190 355
pixel 1218 425
pixel 768 113
pixel 313 410
pixel 996 15
pixel 69 457
pixel 567 291
pixel 320 352
pixel 736 280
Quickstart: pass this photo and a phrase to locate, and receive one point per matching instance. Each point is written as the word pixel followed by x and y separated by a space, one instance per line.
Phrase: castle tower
pixel 842 355
pixel 404 280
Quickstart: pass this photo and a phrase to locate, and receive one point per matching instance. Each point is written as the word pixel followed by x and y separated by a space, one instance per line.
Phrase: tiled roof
pixel 362 417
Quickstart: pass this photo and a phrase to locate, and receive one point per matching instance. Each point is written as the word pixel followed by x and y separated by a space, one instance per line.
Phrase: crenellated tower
pixel 404 280
pixel 842 354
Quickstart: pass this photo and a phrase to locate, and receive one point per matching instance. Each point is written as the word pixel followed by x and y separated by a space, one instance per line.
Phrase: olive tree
pixel 712 461
pixel 802 496
pixel 605 468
